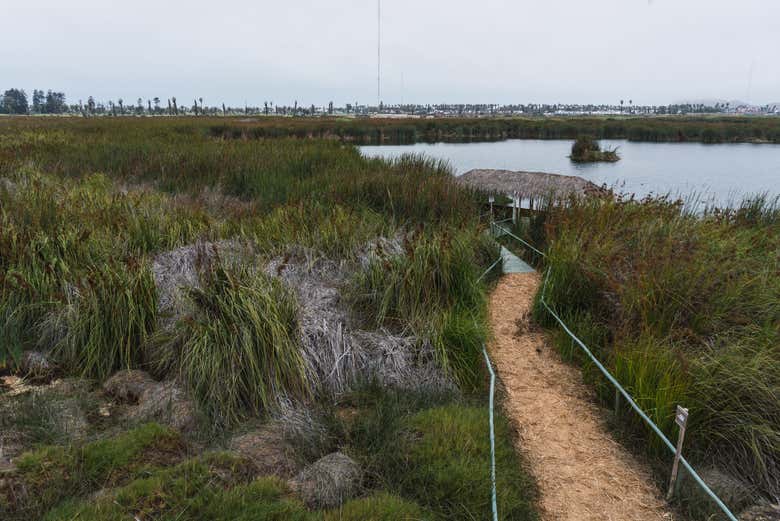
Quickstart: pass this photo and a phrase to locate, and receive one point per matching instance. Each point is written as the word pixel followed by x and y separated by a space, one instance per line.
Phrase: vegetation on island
pixel 587 150
pixel 100 221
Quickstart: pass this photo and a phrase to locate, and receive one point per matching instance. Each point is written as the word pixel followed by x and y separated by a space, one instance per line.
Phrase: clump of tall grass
pixel 735 391
pixel 436 272
pixel 64 233
pixel 239 350
pixel 105 323
pixel 433 288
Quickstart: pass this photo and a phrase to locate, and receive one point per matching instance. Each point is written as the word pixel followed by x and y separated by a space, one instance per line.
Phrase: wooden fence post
pixel 681 419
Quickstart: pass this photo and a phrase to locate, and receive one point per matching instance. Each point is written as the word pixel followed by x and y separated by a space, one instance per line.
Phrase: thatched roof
pixel 529 184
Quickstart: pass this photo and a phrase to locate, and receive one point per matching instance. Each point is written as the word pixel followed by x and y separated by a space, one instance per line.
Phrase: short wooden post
pixel 515 209
pixel 681 419
pixel 617 402
pixel 491 200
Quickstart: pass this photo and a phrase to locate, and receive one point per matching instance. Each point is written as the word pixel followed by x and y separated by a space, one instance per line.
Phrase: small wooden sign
pixel 681 418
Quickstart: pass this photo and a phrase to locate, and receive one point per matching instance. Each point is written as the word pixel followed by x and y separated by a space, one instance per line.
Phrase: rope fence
pixel 492 435
pixel 620 390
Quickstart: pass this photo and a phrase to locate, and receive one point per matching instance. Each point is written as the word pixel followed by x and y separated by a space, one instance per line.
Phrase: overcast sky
pixel 314 51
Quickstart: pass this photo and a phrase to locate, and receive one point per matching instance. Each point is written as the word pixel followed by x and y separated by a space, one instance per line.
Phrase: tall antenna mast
pixel 378 53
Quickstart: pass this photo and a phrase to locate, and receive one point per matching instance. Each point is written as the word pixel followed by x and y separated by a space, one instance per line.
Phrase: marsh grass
pixel 685 309
pixel 68 247
pixel 86 207
pixel 711 129
pixel 445 449
pixel 164 186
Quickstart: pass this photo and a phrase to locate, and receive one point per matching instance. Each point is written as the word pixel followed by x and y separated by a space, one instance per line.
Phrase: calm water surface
pixel 721 173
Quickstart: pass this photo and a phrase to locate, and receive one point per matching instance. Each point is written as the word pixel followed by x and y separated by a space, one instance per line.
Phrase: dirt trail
pixel 583 473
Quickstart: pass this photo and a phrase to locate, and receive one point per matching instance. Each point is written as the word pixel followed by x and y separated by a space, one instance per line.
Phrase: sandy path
pixel 583 473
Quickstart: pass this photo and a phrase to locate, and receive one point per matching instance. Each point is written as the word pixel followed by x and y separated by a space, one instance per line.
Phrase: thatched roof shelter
pixel 530 184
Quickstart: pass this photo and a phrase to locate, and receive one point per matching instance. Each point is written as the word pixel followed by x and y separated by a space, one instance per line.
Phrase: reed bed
pixel 685 309
pixel 155 244
pixel 86 207
pixel 711 129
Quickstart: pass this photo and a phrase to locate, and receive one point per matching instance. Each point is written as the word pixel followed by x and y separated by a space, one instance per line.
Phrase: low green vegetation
pixel 445 455
pixel 52 474
pixel 426 457
pixel 587 150
pixel 432 449
pixel 213 487
pixel 684 308
pixel 380 507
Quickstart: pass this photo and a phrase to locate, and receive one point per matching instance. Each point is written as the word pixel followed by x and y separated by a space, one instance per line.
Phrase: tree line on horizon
pixel 16 101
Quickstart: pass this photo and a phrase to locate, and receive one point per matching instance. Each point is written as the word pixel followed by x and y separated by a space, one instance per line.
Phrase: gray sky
pixel 490 51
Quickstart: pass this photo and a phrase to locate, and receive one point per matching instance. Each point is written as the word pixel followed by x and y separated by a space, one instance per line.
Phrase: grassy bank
pixel 372 131
pixel 94 215
pixel 460 130
pixel 685 309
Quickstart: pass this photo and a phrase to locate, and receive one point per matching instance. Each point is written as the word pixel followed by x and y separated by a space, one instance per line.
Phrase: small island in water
pixel 587 150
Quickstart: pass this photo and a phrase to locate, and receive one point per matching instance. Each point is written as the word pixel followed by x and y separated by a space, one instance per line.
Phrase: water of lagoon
pixel 721 173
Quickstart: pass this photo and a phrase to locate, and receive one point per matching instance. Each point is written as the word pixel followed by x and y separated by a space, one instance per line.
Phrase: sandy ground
pixel 583 473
